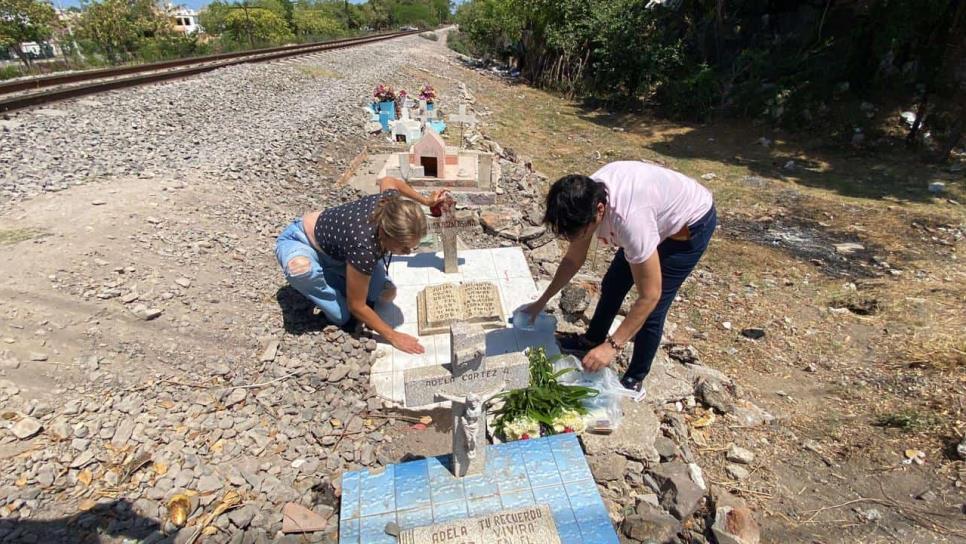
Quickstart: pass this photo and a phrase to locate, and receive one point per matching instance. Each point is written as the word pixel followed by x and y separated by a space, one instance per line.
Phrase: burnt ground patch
pixel 808 241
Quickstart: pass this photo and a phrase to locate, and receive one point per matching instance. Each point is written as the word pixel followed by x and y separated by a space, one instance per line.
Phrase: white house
pixel 185 19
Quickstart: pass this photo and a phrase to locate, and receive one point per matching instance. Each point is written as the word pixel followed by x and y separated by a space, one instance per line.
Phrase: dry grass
pixel 318 72
pixel 13 236
pixel 866 385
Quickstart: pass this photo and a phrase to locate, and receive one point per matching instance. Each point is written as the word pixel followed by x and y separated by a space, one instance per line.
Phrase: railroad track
pixel 43 90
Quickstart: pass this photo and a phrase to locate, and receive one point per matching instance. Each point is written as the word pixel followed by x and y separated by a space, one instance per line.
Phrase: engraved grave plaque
pixel 422 384
pixel 439 306
pixel 530 525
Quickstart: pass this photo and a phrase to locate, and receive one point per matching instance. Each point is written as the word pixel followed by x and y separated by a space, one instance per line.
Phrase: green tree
pixel 212 17
pixel 492 26
pixel 256 27
pixel 317 23
pixel 25 21
pixel 413 12
pixel 442 9
pixel 377 14
pixel 116 28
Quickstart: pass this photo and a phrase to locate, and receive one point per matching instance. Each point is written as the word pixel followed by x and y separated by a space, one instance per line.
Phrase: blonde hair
pixel 400 219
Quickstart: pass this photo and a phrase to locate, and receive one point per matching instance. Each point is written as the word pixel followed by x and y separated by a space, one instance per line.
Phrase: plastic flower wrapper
pixel 570 421
pixel 522 427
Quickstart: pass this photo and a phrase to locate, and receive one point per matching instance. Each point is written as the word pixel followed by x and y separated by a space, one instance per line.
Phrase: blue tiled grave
pixel 550 470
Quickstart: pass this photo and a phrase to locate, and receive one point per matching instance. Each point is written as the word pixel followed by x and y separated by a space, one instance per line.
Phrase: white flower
pixel 520 426
pixel 571 419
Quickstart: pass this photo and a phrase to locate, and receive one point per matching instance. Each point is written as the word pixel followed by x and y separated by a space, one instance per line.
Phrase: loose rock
pixel 735 525
pixel 651 524
pixel 714 395
pixel 740 455
pixel 26 427
pixel 679 493
pixel 737 472
pixel 299 519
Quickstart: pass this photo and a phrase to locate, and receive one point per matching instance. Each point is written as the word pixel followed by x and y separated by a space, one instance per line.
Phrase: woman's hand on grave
pixel 599 358
pixel 532 312
pixel 438 197
pixel 406 343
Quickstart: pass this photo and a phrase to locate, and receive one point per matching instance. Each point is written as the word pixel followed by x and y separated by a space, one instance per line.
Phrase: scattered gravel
pixel 265 122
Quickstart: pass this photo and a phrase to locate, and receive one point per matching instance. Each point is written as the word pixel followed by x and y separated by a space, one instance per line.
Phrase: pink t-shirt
pixel 646 204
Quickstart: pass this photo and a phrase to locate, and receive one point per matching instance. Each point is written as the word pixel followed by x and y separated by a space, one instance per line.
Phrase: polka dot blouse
pixel 347 234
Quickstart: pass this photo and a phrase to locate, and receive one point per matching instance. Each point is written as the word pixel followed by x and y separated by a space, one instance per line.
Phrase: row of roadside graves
pixel 637 484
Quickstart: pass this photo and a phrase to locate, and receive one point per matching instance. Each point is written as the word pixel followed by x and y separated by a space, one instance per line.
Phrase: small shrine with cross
pixel 406 129
pixel 430 162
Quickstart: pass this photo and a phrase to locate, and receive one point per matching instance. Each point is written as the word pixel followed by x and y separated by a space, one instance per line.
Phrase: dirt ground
pixel 863 361
pixel 864 357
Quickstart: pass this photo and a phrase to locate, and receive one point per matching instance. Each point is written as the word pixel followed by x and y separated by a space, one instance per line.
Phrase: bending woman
pixel 661 221
pixel 337 257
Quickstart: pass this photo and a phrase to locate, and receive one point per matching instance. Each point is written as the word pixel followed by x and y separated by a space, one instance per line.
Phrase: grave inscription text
pixel 530 525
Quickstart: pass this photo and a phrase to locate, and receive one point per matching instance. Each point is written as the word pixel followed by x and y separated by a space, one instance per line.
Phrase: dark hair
pixel 572 204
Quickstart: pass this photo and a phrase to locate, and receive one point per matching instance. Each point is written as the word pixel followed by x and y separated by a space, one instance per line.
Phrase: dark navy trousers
pixel 678 259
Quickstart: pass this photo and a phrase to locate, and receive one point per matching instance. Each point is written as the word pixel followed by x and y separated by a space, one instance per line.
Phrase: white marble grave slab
pixel 506 267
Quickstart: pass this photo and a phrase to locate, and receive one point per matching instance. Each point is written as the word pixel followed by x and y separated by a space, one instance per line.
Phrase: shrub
pixel 9 72
pixel 691 98
pixel 459 42
pixel 171 47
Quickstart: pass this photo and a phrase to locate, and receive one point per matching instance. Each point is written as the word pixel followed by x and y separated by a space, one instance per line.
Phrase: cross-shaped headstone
pixel 447 226
pixel 404 168
pixel 473 378
pixel 462 118
pixel 425 114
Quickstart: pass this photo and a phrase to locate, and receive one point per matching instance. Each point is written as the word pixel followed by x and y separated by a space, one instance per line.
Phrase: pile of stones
pixel 124 453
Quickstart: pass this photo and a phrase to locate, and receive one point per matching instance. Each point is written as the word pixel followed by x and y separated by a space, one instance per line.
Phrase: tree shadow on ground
pixel 112 519
pixel 298 313
pixel 886 170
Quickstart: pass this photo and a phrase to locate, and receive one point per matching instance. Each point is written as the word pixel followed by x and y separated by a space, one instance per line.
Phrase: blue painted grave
pixel 387 113
pixel 550 470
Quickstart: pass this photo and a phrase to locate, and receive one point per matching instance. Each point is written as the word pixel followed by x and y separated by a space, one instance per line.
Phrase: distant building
pixel 185 20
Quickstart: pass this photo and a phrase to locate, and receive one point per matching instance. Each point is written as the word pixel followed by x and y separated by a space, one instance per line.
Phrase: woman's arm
pixel 357 287
pixel 407 191
pixel 569 266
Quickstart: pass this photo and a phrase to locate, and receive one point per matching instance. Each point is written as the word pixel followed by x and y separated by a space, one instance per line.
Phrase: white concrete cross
pixel 462 119
pixel 472 379
pixel 404 167
pixel 425 115
pixel 451 223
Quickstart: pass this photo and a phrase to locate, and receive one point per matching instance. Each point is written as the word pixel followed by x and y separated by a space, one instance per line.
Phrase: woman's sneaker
pixel 635 385
pixel 575 344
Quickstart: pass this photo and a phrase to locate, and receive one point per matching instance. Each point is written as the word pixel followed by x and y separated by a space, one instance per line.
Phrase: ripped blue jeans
pixel 324 283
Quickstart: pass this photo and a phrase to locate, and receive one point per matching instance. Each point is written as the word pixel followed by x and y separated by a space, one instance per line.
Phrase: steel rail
pixel 157 71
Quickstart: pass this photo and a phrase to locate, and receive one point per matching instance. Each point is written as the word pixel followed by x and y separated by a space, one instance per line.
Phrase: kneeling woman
pixel 337 257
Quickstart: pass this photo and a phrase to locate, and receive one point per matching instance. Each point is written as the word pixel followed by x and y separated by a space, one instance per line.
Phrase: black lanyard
pixel 387 261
